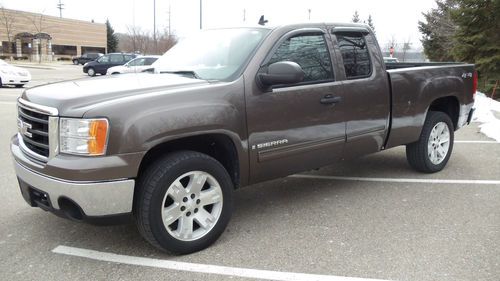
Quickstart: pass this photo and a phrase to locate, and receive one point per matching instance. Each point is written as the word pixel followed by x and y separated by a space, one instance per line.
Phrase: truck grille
pixel 34 122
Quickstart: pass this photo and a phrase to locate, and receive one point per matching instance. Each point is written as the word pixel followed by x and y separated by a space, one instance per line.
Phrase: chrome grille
pixel 35 124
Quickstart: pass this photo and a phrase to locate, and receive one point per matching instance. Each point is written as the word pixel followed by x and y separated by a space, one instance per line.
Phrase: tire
pixel 91 72
pixel 1 85
pixel 166 185
pixel 436 139
pixel 75 62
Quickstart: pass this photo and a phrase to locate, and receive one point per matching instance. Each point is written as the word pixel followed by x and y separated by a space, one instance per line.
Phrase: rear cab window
pixel 355 54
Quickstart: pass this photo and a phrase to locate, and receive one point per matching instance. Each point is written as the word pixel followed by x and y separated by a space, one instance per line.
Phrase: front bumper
pixel 94 199
pixel 15 80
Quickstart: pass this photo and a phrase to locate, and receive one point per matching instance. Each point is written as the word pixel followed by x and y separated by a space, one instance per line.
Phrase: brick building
pixel 40 37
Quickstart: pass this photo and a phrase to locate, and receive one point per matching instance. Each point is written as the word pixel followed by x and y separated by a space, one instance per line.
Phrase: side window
pixel 150 61
pixel 116 58
pixel 310 52
pixel 355 55
pixel 128 57
pixel 103 59
pixel 137 62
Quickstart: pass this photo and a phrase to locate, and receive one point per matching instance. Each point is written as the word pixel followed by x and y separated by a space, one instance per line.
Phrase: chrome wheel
pixel 91 72
pixel 192 206
pixel 438 144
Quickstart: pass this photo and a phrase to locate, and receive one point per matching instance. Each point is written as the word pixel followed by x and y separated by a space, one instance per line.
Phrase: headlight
pixel 83 136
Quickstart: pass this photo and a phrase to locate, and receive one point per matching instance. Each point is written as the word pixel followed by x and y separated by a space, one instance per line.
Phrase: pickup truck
pixel 225 109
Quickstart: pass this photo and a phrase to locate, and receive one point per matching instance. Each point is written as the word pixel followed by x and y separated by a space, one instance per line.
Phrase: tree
pixel 112 39
pixel 370 23
pixel 477 38
pixel 355 17
pixel 7 21
pixel 406 47
pixel 438 30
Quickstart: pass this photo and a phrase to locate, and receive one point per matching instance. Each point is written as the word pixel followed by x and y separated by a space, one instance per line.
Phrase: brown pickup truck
pixel 224 109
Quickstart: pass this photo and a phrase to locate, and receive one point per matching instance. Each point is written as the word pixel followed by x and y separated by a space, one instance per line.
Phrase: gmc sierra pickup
pixel 224 109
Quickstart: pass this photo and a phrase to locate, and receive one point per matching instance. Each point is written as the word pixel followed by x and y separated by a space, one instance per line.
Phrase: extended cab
pixel 225 109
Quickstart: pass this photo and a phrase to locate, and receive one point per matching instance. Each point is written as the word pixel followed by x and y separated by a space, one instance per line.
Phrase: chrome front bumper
pixel 95 199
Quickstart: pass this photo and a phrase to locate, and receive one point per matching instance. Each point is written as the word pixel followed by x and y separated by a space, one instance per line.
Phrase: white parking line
pixel 473 141
pixel 201 268
pixel 402 180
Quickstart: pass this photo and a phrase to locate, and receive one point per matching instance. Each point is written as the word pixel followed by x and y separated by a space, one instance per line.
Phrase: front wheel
pixel 433 150
pixel 75 62
pixel 184 202
pixel 91 72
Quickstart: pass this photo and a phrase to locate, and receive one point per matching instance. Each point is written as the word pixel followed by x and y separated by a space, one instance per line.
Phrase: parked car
pixel 13 75
pixel 136 65
pixel 390 59
pixel 224 109
pixel 102 64
pixel 86 58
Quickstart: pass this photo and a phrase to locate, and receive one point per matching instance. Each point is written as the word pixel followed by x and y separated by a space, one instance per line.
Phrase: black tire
pixel 91 71
pixel 152 188
pixel 417 153
pixel 75 62
pixel 1 85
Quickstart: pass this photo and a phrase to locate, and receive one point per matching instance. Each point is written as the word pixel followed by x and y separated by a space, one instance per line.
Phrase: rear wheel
pixel 184 202
pixel 433 150
pixel 75 62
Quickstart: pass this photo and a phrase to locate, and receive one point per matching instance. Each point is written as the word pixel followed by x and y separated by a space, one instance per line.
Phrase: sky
pixel 395 18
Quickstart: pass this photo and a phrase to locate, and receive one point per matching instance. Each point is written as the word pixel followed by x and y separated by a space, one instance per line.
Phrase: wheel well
pixel 218 146
pixel 448 105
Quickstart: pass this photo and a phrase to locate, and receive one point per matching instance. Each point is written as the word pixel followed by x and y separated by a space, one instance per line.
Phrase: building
pixel 37 37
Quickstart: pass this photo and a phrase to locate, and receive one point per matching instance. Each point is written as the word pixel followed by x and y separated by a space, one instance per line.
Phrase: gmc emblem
pixel 23 128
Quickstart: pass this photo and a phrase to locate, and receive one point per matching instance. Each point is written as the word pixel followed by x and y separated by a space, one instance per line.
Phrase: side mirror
pixel 282 72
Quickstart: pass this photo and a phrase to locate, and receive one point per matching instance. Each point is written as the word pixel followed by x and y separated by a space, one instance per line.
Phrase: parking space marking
pixel 201 268
pixel 473 141
pixel 400 180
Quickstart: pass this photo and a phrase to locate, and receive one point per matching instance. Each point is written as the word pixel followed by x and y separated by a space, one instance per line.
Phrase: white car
pixel 13 75
pixel 135 65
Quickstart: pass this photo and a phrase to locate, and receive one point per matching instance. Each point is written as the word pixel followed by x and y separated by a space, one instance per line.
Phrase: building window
pixel 86 49
pixel 8 48
pixel 64 50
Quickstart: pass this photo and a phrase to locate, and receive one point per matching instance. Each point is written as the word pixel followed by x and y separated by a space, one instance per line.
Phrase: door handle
pixel 329 99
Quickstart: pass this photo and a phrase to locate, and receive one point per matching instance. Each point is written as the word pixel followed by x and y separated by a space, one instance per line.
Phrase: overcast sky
pixel 396 18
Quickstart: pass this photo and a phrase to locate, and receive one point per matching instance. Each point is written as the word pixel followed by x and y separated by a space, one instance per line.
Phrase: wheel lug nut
pixel 183 208
pixel 188 214
pixel 198 201
pixel 185 199
pixel 196 210
pixel 192 196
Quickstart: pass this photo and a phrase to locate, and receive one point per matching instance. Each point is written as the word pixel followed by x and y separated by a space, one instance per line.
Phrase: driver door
pixel 301 126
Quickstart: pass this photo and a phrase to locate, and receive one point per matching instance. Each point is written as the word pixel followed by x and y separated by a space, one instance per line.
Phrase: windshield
pixel 212 54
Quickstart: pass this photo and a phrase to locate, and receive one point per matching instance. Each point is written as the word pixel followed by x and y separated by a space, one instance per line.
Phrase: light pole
pixel 201 15
pixel 154 25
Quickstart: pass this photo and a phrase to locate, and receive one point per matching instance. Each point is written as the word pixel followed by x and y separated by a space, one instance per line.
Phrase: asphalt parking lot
pixel 369 218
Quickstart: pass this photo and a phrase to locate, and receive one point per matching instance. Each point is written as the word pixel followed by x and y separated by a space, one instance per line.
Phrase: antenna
pixel 262 21
pixel 60 7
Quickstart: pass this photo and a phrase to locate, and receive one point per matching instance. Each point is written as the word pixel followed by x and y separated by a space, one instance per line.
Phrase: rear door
pixel 366 88
pixel 294 127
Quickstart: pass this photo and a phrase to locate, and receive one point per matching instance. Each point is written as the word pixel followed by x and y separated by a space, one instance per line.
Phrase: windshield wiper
pixel 185 73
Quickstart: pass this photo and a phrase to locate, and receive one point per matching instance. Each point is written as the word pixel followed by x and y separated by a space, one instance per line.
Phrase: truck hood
pixel 73 98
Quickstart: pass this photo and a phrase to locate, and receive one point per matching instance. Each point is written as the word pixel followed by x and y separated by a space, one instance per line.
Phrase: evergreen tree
pixel 438 30
pixel 477 39
pixel 370 23
pixel 355 17
pixel 112 39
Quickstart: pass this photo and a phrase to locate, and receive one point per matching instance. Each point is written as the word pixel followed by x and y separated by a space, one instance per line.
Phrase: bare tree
pixel 392 43
pixel 39 25
pixel 7 20
pixel 141 41
pixel 406 47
